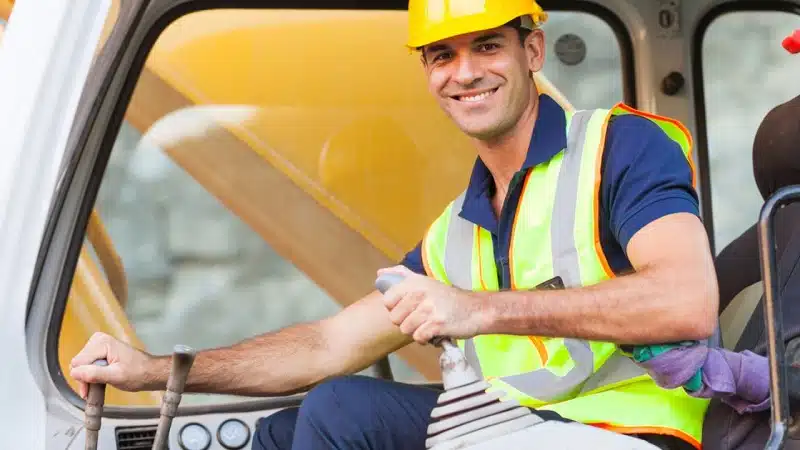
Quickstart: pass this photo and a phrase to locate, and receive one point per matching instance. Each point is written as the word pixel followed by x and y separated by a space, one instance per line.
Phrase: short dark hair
pixel 523 32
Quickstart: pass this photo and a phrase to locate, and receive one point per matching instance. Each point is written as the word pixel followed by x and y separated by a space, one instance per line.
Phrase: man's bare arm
pixel 671 296
pixel 278 363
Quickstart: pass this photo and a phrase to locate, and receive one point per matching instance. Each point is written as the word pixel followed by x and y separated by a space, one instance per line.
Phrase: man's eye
pixel 441 57
pixel 488 46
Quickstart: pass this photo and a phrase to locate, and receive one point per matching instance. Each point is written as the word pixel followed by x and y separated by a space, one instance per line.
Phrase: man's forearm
pixel 279 363
pixel 642 308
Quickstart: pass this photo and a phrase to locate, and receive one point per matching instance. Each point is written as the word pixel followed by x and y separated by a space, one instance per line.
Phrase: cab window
pixel 746 73
pixel 268 164
pixel 584 58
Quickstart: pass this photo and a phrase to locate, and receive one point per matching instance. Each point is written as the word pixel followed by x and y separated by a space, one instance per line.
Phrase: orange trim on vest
pixel 677 123
pixel 650 430
pixel 477 233
pixel 537 342
pixel 514 229
pixel 596 203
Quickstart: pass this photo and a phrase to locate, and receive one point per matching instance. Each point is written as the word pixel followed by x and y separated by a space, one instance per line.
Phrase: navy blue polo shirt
pixel 644 177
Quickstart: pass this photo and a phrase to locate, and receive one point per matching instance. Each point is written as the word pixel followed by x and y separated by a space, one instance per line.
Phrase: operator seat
pixel 776 164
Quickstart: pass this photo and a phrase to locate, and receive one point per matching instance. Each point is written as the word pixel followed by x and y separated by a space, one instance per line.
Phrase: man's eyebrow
pixel 437 48
pixel 483 38
pixel 487 37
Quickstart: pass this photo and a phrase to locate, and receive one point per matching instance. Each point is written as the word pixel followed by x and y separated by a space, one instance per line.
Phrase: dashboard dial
pixel 233 434
pixel 194 436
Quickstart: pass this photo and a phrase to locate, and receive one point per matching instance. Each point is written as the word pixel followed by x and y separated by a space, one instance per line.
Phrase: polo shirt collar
pixel 549 137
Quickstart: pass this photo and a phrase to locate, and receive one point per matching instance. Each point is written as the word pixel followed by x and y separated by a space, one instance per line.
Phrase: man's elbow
pixel 699 315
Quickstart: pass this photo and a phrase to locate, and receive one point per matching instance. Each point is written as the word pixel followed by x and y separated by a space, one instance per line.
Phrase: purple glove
pixel 741 380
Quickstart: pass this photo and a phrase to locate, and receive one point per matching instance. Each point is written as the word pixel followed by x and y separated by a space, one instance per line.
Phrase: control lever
pixel 469 417
pixel 94 410
pixel 182 360
pixel 456 371
pixel 466 414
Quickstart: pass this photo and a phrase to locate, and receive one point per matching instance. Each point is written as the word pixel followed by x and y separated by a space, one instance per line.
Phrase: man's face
pixel 482 79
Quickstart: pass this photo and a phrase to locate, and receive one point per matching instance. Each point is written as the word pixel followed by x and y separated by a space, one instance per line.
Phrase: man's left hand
pixel 425 308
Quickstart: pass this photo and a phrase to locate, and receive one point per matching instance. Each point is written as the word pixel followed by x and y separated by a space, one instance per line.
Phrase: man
pixel 554 199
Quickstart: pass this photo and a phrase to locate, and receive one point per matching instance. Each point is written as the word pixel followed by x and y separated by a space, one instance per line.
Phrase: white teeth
pixel 476 98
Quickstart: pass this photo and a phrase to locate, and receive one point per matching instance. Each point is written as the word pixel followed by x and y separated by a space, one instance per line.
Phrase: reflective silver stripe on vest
pixel 547 386
pixel 472 356
pixel 543 384
pixel 562 226
pixel 458 264
pixel 458 249
pixel 618 368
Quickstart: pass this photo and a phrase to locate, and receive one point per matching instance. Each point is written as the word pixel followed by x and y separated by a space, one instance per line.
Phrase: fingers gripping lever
pixel 456 370
pixel 182 360
pixel 385 282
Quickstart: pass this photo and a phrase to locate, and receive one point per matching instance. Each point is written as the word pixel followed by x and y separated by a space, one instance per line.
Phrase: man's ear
pixel 534 50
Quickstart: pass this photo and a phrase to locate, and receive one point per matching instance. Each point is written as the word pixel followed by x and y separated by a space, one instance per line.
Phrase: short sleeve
pixel 413 260
pixel 645 177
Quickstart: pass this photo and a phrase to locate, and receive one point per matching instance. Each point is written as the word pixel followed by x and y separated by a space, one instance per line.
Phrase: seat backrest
pixel 737 314
pixel 753 336
pixel 776 163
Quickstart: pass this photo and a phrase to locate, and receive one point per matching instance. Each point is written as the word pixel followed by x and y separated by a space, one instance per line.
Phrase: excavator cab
pixel 230 168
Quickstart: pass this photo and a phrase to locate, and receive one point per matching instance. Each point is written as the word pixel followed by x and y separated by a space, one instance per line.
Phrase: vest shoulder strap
pixel 435 255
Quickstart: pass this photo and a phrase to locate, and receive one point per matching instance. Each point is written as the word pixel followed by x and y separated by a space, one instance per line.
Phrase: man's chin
pixel 481 131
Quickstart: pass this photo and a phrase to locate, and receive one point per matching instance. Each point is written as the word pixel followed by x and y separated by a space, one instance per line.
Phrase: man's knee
pixel 276 431
pixel 362 412
pixel 336 397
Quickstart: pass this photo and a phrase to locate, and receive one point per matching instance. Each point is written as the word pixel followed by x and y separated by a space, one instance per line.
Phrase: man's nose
pixel 468 71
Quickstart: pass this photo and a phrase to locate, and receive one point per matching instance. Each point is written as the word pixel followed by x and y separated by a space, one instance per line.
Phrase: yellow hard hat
pixel 433 20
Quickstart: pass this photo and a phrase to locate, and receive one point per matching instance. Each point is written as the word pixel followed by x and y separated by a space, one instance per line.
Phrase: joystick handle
pixel 455 368
pixel 182 360
pixel 93 413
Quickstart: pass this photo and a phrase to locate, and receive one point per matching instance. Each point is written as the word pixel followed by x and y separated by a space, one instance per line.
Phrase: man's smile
pixel 474 96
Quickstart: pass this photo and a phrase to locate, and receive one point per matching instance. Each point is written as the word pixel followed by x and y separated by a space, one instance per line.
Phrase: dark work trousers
pixel 354 412
pixel 358 412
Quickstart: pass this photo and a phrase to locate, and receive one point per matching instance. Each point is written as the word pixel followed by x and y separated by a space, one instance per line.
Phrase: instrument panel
pixel 225 431
pixel 232 434
pixel 215 431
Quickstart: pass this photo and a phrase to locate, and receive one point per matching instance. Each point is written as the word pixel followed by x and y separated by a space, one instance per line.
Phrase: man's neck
pixel 505 155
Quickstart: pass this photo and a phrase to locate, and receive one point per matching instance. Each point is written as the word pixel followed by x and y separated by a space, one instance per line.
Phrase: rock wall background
pixel 199 276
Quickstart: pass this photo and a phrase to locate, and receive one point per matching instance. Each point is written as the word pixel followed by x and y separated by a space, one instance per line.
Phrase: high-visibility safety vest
pixel 555 233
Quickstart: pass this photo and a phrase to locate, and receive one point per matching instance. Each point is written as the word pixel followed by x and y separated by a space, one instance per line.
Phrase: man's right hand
pixel 128 369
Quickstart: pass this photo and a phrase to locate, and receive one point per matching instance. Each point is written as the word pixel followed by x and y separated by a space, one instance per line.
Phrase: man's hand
pixel 424 308
pixel 127 367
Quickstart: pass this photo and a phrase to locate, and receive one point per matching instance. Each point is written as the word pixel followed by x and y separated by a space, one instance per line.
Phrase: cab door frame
pixel 49 57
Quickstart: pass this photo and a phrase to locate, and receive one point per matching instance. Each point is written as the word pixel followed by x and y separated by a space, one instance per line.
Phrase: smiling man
pixel 577 236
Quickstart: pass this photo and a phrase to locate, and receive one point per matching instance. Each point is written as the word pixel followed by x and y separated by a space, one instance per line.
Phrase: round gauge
pixel 194 436
pixel 233 434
